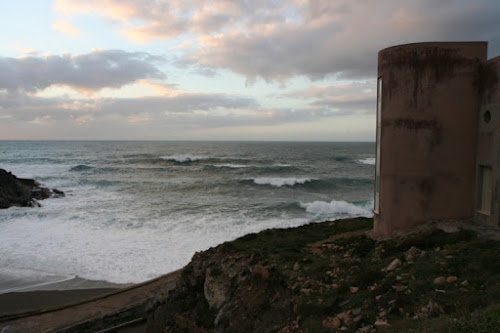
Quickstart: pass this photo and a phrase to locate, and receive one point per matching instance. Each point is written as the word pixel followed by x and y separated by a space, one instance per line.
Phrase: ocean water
pixel 136 210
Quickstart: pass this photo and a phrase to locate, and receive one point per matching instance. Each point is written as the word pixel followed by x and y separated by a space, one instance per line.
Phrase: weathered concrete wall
pixel 488 152
pixel 429 115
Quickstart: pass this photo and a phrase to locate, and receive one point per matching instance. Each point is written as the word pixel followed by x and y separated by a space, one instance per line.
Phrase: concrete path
pixel 116 310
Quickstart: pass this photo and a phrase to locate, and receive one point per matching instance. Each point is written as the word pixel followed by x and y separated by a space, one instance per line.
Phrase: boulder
pixel 332 322
pixel 216 290
pixel 22 192
pixel 393 265
pixel 413 253
pixel 439 280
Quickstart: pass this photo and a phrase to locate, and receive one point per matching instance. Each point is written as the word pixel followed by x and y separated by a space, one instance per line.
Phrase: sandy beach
pixel 48 294
pixel 81 304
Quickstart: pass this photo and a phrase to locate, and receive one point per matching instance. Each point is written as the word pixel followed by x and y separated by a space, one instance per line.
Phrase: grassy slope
pixel 334 282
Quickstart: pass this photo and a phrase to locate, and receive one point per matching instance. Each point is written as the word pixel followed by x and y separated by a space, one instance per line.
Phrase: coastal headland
pixel 23 192
pixel 322 277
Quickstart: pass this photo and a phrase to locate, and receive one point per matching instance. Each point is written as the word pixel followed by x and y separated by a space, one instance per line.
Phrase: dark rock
pixel 57 193
pixel 393 265
pixel 22 192
pixel 439 280
pixel 40 193
pixel 220 292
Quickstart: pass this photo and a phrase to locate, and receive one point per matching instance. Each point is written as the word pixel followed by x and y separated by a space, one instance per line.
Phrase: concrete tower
pixel 429 97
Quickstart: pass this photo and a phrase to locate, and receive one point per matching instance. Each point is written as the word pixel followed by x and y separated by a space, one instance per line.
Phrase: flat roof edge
pixel 434 43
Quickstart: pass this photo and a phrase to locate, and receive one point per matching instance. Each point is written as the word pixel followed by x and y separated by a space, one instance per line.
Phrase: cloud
pixel 184 103
pixel 28 107
pixel 278 40
pixel 65 27
pixel 86 72
pixel 186 110
pixel 116 10
pixel 184 116
pixel 41 120
pixel 160 89
pixel 142 20
pixel 346 98
pixel 343 37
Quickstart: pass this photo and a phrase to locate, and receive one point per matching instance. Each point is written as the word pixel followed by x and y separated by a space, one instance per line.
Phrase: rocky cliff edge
pixel 22 192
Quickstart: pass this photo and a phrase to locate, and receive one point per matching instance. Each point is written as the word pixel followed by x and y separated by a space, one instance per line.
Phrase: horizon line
pixel 177 140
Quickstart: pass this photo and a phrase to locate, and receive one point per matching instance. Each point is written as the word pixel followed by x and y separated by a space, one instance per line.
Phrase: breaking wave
pixel 81 167
pixel 181 158
pixel 230 166
pixel 337 209
pixel 368 160
pixel 278 181
pixel 309 182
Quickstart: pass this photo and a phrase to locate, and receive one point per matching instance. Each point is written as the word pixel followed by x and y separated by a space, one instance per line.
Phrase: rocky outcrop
pixel 331 277
pixel 225 293
pixel 22 192
pixel 248 285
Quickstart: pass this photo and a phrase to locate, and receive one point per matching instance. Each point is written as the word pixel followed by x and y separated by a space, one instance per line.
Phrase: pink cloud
pixel 65 27
pixel 278 40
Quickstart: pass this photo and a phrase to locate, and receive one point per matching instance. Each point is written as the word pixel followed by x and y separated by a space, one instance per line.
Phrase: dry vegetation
pixel 331 277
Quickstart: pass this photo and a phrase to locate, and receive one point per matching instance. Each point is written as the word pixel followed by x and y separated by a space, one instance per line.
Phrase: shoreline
pixel 70 283
pixel 93 309
pixel 47 294
pixel 10 283
pixel 36 300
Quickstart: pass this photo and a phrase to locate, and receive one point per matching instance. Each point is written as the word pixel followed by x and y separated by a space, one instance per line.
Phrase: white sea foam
pixel 278 181
pixel 368 160
pixel 65 238
pixel 181 158
pixel 86 244
pixel 337 209
pixel 231 166
pixel 112 242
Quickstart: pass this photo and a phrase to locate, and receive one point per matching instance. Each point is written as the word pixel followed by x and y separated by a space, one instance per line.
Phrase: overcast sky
pixel 211 70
